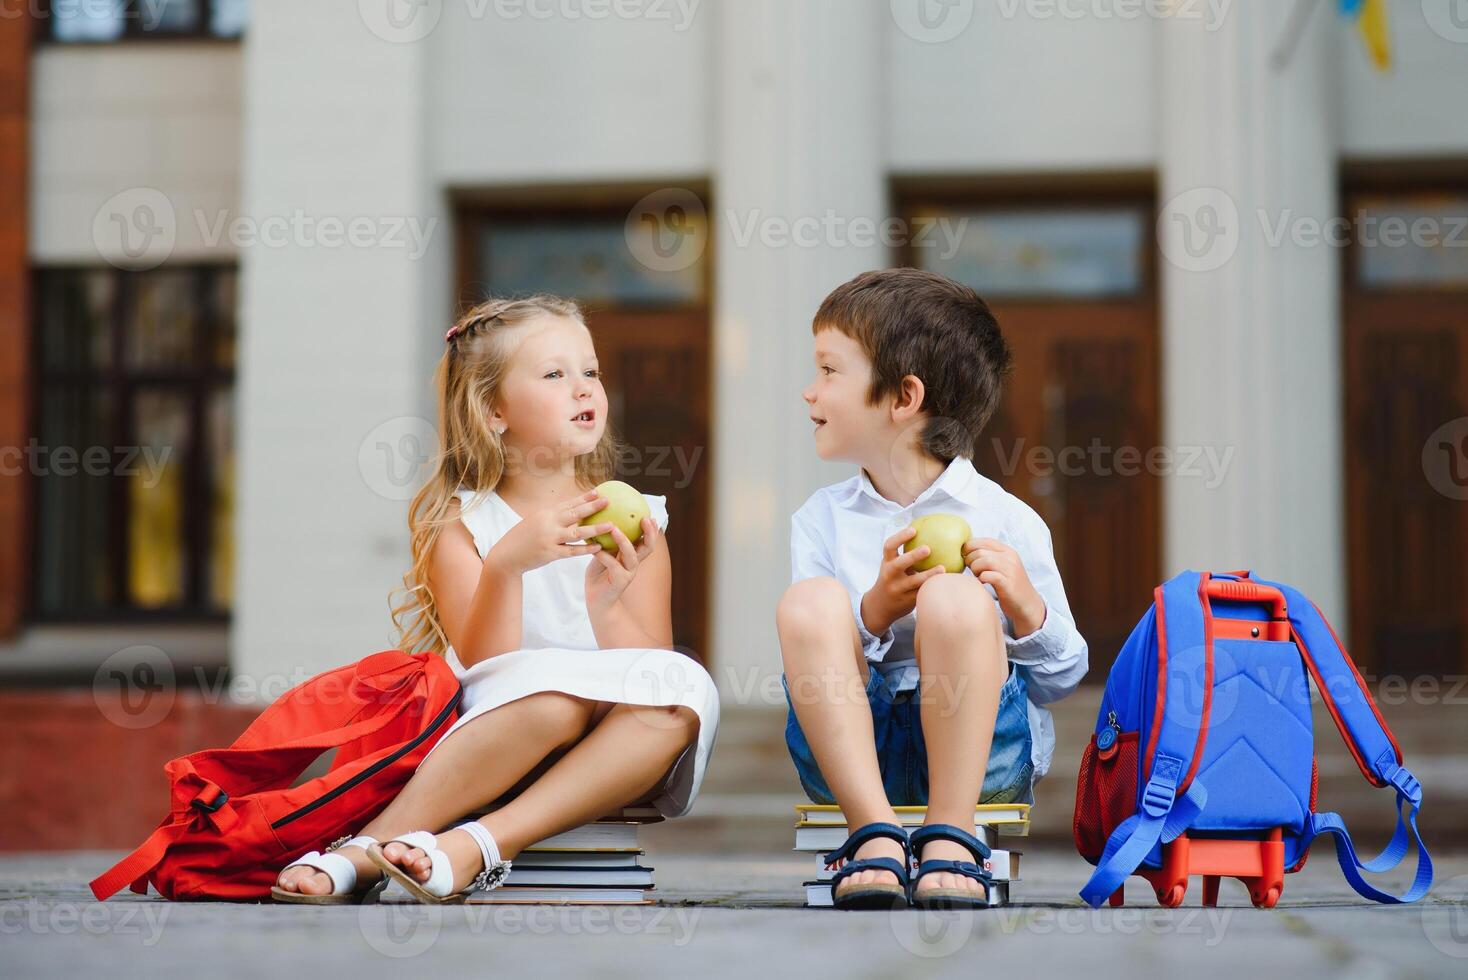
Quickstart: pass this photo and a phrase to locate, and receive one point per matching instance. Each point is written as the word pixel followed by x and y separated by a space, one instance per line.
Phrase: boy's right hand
pixel 550 534
pixel 895 593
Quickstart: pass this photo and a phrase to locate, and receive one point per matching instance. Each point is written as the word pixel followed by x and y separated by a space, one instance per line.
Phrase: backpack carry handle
pixel 1246 591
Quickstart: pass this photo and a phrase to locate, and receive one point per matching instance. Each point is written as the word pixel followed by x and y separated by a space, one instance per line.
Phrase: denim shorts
pixel 902 754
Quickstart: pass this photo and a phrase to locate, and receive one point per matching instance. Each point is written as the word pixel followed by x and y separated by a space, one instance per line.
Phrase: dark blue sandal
pixel 951 898
pixel 872 895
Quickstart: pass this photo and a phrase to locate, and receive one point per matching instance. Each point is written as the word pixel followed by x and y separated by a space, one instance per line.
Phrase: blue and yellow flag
pixel 1371 23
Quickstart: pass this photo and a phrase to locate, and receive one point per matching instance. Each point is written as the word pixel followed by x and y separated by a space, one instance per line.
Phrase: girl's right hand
pixel 547 535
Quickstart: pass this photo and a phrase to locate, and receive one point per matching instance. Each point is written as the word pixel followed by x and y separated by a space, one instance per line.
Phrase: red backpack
pixel 236 819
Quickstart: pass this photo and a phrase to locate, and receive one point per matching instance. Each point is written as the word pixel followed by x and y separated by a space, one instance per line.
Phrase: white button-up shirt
pixel 839 533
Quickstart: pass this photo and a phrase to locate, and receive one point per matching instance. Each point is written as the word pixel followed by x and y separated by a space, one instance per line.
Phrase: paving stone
pixel 738 914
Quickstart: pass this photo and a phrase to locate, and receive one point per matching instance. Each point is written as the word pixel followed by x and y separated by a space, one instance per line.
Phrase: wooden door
pixel 655 368
pixel 15 314
pixel 1071 280
pixel 1406 376
pixel 1406 442
pixel 1080 415
pixel 650 322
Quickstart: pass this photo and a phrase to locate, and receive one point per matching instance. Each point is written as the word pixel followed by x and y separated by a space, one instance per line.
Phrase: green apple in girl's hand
pixel 626 508
pixel 945 535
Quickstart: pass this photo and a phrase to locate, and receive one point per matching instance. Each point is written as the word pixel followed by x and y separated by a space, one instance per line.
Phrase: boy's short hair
pixel 910 321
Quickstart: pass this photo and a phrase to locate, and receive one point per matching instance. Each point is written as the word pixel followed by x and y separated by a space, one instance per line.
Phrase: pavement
pixel 730 901
pixel 738 913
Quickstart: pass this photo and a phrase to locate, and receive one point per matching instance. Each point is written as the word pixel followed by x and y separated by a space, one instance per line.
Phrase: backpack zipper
pixel 375 768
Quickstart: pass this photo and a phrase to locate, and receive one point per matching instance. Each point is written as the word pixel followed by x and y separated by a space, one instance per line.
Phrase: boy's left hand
pixel 996 563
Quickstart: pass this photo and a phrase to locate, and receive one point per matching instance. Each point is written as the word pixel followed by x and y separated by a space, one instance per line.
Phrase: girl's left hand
pixel 608 575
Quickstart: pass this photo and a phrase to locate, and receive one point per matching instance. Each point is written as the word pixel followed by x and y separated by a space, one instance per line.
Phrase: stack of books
pixel 600 863
pixel 821 829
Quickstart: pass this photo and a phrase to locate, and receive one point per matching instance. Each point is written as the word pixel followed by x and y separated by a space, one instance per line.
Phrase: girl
pixel 572 699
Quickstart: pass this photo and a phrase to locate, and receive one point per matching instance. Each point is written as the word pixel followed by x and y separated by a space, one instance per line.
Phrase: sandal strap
pixel 496 869
pixel 440 881
pixel 863 834
pixel 871 864
pixel 341 872
pixel 966 868
pixel 946 831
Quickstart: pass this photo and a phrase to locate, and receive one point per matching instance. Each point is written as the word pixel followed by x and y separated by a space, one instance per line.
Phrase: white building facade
pixel 799 124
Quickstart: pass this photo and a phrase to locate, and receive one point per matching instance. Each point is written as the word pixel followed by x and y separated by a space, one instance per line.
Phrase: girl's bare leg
pixel 472 768
pixel 626 755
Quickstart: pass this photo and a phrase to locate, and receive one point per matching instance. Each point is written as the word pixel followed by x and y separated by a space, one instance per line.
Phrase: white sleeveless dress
pixel 559 653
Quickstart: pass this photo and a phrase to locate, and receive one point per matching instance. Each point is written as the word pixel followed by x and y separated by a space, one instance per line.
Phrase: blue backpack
pixel 1203 757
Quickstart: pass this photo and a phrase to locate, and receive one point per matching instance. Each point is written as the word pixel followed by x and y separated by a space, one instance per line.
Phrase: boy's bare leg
pixel 827 675
pixel 963 664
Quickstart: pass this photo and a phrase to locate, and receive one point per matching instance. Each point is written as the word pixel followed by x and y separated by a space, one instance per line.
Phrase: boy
pixel 907 687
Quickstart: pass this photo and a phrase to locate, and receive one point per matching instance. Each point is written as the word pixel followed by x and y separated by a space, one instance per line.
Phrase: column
pixel 1250 298
pixel 799 100
pixel 336 311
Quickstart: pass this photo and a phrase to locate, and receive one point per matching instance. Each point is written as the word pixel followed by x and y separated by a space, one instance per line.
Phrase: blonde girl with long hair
pixel 574 703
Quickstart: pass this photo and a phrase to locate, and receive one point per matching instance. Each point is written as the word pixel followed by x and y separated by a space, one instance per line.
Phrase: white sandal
pixel 438 889
pixel 340 870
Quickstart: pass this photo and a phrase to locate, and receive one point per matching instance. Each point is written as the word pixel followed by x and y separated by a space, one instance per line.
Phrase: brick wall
pixel 80 770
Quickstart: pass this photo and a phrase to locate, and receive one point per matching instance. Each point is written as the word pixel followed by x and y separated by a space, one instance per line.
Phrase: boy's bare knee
pixel 812 604
pixel 958 602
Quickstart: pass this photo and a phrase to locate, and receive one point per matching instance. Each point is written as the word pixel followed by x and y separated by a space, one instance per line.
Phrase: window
pixel 1412 241
pixel 1068 253
pixel 600 261
pixel 95 21
pixel 133 451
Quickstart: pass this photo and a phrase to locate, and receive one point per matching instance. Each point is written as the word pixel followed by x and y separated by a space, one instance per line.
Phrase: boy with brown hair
pixel 916 687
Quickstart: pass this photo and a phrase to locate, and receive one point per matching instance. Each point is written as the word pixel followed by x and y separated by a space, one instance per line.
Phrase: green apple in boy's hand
pixel 625 508
pixel 944 535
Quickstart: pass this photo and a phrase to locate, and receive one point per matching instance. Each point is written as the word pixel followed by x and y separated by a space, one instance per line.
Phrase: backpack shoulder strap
pixel 1170 799
pixel 133 869
pixel 1345 694
pixel 1371 744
